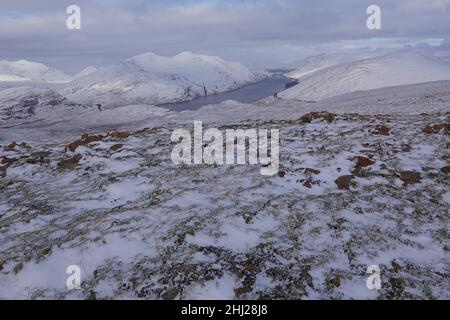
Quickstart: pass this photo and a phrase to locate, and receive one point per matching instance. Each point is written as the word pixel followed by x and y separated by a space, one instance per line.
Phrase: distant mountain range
pixel 146 78
pixel 152 80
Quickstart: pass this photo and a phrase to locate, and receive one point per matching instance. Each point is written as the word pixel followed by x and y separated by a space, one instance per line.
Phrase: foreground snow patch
pixel 141 227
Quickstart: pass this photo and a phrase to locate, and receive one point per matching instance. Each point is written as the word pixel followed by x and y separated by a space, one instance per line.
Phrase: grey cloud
pixel 250 31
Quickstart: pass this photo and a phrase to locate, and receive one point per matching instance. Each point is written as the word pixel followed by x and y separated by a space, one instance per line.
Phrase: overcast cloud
pixel 255 32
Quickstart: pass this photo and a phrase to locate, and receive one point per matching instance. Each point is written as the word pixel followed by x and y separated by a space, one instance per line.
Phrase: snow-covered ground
pixel 399 68
pixel 366 187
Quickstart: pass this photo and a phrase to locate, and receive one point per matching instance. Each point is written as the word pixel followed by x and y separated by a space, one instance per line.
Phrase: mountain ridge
pixel 24 70
pixel 393 69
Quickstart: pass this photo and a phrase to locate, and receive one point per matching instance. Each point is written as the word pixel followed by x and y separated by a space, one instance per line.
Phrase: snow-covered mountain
pixel 24 103
pixel 322 61
pixel 399 68
pixel 23 70
pixel 149 78
pixel 85 72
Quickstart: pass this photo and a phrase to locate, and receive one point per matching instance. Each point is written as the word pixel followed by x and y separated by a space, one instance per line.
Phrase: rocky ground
pixel 353 190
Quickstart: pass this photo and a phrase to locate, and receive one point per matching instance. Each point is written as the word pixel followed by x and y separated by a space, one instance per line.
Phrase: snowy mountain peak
pixel 22 63
pixel 153 62
pixel 187 53
pixel 24 70
pixel 200 57
pixel 145 57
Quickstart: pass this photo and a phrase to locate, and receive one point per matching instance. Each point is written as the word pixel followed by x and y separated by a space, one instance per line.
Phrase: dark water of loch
pixel 247 94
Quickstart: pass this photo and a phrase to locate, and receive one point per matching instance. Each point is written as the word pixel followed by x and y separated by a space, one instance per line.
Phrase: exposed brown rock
pixel 311 170
pixel 410 177
pixel 281 173
pixel 446 169
pixel 69 163
pixel 11 146
pixel 307 184
pixel 18 267
pixel 119 134
pixel 406 148
pixel 74 145
pixel 381 130
pixel 362 162
pixel 361 172
pixel 395 266
pixel 8 161
pixel 143 131
pixel 436 128
pixel 90 139
pixel 326 116
pixel 308 118
pixel 329 117
pixel 85 139
pixel 343 182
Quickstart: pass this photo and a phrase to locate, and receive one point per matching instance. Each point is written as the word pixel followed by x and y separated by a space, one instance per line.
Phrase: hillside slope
pixel 23 104
pixel 351 196
pixel 401 68
pixel 325 60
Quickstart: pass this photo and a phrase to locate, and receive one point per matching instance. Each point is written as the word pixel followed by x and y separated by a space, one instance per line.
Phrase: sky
pixel 258 33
